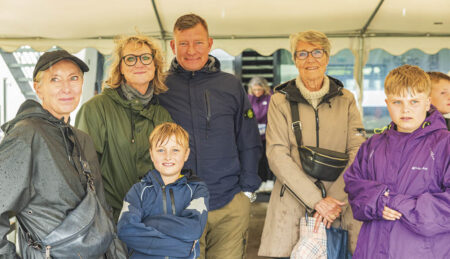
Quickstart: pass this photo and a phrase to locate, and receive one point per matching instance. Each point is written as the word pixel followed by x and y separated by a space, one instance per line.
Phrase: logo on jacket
pixel 249 114
pixel 419 168
pixel 198 205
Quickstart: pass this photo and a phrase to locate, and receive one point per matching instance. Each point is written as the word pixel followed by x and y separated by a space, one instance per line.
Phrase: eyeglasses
pixel 303 54
pixel 131 60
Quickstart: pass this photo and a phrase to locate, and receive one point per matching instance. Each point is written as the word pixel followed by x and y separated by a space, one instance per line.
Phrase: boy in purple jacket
pixel 399 183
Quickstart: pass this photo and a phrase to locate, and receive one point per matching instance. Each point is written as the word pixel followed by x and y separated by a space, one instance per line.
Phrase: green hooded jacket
pixel 120 131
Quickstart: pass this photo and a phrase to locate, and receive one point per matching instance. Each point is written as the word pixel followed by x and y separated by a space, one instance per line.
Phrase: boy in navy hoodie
pixel 164 215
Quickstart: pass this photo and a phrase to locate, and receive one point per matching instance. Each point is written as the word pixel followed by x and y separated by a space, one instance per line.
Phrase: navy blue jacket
pixel 164 221
pixel 213 108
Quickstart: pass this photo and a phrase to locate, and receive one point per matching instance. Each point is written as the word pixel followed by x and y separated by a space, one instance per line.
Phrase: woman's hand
pixel 390 214
pixel 327 210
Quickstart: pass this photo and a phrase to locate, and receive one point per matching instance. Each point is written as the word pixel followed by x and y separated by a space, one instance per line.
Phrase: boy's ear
pixel 186 156
pixel 428 103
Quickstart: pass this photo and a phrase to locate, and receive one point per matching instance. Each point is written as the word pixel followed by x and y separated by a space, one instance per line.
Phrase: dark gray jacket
pixel 39 182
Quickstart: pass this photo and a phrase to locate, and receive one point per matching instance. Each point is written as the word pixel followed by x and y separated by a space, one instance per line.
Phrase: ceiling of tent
pixel 263 25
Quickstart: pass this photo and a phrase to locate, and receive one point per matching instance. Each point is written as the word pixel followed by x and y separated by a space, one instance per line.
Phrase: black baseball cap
pixel 48 59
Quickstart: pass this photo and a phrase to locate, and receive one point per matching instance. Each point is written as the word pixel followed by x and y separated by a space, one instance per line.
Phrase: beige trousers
pixel 226 231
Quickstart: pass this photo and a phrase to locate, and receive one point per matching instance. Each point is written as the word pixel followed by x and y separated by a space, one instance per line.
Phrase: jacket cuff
pixel 381 202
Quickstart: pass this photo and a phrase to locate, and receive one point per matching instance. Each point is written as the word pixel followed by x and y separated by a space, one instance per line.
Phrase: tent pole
pixel 4 100
pixel 161 28
pixel 360 74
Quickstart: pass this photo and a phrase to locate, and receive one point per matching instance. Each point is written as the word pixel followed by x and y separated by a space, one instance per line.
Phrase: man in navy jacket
pixel 225 145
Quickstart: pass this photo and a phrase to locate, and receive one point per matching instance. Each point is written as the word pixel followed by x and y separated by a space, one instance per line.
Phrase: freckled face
pixel 408 111
pixel 169 158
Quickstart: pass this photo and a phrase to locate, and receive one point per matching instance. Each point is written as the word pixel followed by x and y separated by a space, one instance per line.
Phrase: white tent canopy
pixel 263 25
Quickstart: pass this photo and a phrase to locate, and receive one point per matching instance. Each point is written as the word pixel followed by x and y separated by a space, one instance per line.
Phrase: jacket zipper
pixel 316 112
pixel 164 199
pixel 132 125
pixel 208 112
pixel 172 198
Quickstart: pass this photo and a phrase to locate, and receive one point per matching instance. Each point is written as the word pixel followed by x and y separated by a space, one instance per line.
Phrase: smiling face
pixel 191 47
pixel 440 96
pixel 139 75
pixel 311 68
pixel 408 111
pixel 60 88
pixel 168 158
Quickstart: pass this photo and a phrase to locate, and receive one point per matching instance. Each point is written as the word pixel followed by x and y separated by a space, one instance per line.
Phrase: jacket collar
pixel 434 121
pixel 211 66
pixel 31 108
pixel 293 93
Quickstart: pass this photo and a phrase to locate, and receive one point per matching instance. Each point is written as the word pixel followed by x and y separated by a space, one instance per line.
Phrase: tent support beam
pixel 364 29
pixel 361 53
pixel 161 28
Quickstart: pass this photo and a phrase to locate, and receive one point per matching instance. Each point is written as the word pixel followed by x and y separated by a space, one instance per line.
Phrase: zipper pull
pixel 193 246
pixel 47 252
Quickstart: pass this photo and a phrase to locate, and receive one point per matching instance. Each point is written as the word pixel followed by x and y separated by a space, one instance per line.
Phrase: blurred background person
pixel 259 93
pixel 440 94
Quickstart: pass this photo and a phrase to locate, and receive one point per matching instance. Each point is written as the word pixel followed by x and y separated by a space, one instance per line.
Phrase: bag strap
pixel 297 127
pixel 296 123
pixel 83 162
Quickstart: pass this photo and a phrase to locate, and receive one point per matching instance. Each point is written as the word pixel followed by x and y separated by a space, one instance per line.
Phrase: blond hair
pixel 312 37
pixel 115 75
pixel 261 81
pixel 407 78
pixel 164 131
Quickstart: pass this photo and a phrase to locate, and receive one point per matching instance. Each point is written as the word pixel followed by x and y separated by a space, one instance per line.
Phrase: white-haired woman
pixel 329 119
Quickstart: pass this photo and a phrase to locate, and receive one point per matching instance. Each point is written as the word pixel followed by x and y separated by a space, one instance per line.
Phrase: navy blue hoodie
pixel 164 221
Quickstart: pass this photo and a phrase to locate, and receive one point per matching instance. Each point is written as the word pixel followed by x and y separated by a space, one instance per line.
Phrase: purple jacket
pixel 260 106
pixel 414 167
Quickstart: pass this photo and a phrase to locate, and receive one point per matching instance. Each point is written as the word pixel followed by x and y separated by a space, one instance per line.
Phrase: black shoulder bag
pixel 320 163
pixel 86 232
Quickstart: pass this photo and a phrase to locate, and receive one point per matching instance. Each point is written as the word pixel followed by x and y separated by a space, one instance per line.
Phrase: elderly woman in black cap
pixel 50 173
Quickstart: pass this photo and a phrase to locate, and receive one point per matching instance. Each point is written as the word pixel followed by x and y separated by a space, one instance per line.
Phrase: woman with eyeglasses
pixel 121 118
pixel 328 118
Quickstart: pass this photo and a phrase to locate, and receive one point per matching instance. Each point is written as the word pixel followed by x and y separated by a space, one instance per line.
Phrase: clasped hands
pixel 327 210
